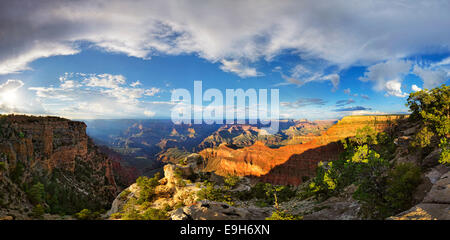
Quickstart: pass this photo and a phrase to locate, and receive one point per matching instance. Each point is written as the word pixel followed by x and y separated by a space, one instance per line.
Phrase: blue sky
pixel 108 59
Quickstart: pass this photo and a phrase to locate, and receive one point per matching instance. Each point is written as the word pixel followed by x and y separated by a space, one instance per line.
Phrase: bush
pixel 38 211
pixel 212 193
pixel 147 187
pixel 401 184
pixel 17 173
pixel 423 138
pixel 2 166
pixel 231 180
pixel 283 215
pixel 366 135
pixel 124 194
pixel 154 214
pixel 87 214
pixel 36 194
pixel 445 154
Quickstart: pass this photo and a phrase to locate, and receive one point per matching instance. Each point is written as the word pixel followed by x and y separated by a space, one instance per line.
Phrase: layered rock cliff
pixel 56 153
pixel 293 163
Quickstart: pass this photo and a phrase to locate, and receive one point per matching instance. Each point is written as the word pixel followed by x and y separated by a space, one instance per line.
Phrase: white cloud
pixel 432 77
pixel 415 88
pixel 238 68
pixel 152 92
pixel 10 85
pixel 394 88
pixel 342 32
pixel 85 96
pixel 104 80
pixel 388 76
pixel 135 84
pixel 302 74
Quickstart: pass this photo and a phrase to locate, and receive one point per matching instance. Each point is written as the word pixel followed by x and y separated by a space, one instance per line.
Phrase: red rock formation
pixel 289 164
pixel 44 145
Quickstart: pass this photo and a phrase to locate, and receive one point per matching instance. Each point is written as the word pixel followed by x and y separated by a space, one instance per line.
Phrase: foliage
pixel 154 214
pixel 432 108
pixel 422 138
pixel 383 195
pixel 36 194
pixel 2 166
pixel 401 183
pixel 231 180
pixel 445 154
pixel 87 214
pixel 283 215
pixel 17 173
pixel 147 187
pixel 366 135
pixel 213 193
pixel 264 193
pixel 124 194
pixel 38 211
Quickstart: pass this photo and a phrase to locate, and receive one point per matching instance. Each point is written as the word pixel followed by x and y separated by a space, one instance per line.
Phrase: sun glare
pixel 9 97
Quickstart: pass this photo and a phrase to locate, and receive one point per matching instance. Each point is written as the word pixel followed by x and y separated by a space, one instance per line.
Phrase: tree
pixel 432 108
pixel 36 193
pixel 38 211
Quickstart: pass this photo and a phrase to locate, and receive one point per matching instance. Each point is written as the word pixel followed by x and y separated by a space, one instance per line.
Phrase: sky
pixel 122 59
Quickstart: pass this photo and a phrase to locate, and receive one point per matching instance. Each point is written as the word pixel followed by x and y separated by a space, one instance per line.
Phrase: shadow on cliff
pixel 302 166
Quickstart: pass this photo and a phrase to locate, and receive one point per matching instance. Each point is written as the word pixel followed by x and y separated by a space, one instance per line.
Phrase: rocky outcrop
pixel 289 165
pixel 59 153
pixel 342 207
pixel 208 210
pixel 172 189
pixel 435 205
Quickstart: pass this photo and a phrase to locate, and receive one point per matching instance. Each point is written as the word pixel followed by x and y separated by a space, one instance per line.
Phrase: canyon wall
pixel 57 153
pixel 291 164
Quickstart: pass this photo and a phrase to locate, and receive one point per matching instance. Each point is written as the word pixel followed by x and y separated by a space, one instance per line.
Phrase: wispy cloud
pixel 341 103
pixel 303 102
pixel 234 66
pixel 351 109
pixel 81 95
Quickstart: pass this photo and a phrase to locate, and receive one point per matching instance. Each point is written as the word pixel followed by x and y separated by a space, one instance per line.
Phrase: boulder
pixel 343 207
pixel 440 192
pixel 436 204
pixel 208 210
pixel 432 159
pixel 425 211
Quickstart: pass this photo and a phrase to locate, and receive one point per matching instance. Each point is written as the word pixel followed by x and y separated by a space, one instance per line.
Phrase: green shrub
pixel 445 154
pixel 17 173
pixel 283 215
pixel 2 166
pixel 124 194
pixel 36 194
pixel 401 184
pixel 423 138
pixel 147 187
pixel 231 180
pixel 366 135
pixel 154 214
pixel 212 193
pixel 87 214
pixel 38 211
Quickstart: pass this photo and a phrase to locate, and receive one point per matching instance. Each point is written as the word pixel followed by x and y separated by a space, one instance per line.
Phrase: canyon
pixel 58 154
pixel 290 164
